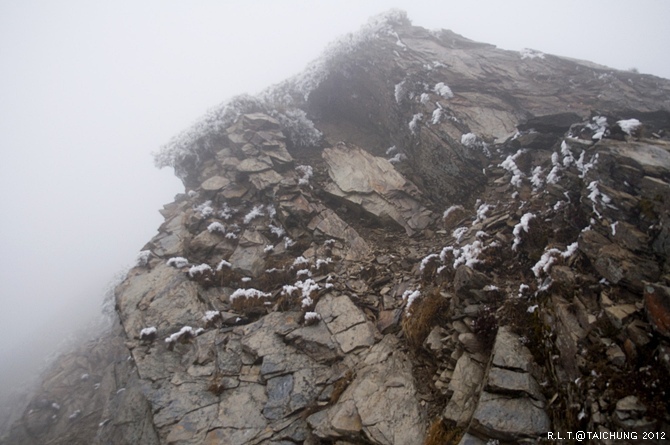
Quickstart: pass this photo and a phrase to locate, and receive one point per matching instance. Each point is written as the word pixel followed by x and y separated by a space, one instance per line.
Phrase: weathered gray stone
pixel 357 336
pixel 315 341
pixel 266 179
pixel 501 380
pixel 384 397
pixel 254 165
pixel 215 183
pixel 249 260
pixel 465 385
pixel 467 280
pixel 620 314
pixel 616 264
pixel 509 418
pixel 328 224
pixel 375 185
pixel 279 397
pixel 509 352
pixel 339 312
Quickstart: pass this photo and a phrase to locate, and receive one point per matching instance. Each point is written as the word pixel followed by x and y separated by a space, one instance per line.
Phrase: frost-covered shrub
pixel 437 115
pixel 184 334
pixel 205 209
pixel 148 334
pixel 629 125
pixel 509 165
pixel 306 172
pixel 245 300
pixel 199 270
pixel 203 275
pixel 471 141
pixel 255 212
pixel 177 262
pixel 443 90
pixel 414 123
pixel 297 127
pixel 187 150
pixel 278 231
pixel 216 227
pixel 312 318
pixel 143 258
pixel 399 157
pixel 520 228
pixel 528 53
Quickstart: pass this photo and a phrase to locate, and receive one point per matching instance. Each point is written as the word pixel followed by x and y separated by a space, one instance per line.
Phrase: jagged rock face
pixel 373 93
pixel 313 295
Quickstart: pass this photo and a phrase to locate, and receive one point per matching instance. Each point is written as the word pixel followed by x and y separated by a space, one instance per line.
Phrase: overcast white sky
pixel 89 89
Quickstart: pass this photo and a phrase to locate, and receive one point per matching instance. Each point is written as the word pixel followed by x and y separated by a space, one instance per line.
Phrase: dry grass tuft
pixel 251 307
pixel 340 385
pixel 440 434
pixel 485 326
pixel 422 316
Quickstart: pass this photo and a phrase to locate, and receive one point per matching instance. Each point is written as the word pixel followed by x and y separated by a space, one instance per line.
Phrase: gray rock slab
pixel 509 352
pixel 375 185
pixel 279 397
pixel 465 384
pixel 215 183
pixel 501 380
pixel 339 313
pixel 508 418
pixel 384 398
pixel 315 341
pixel 360 335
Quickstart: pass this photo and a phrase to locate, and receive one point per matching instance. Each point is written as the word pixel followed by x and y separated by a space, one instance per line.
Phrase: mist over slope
pixel 413 238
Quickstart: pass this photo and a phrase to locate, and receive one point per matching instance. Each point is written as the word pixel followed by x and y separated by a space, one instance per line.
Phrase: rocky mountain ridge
pixel 421 239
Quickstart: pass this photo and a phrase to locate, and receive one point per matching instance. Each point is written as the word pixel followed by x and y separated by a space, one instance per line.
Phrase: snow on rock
pixel 546 261
pixel 143 258
pixel 521 227
pixel 509 165
pixel 148 333
pixel 248 293
pixel 410 296
pixel 414 123
pixel 177 262
pixel 185 332
pixel 399 157
pixel 216 227
pixel 528 53
pixel 306 172
pixel 255 212
pixel 481 213
pixel 437 115
pixel 443 90
pixel 426 260
pixel 629 125
pixel 196 270
pixel 222 264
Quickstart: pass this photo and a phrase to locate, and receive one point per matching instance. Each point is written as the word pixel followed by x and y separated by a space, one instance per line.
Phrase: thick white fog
pixel 89 89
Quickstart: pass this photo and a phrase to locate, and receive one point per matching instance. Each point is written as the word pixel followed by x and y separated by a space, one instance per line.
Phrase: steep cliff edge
pixel 420 239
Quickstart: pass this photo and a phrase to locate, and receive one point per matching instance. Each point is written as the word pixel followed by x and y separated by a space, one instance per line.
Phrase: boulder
pixel 375 186
pixel 380 403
